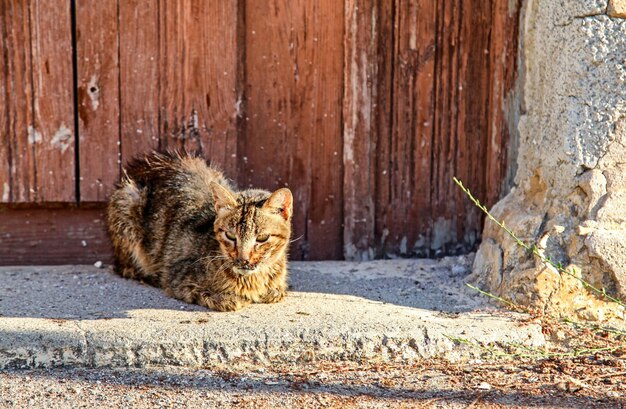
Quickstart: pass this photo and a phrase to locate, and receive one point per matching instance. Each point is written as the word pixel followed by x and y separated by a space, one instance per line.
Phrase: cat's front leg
pixel 274 295
pixel 223 302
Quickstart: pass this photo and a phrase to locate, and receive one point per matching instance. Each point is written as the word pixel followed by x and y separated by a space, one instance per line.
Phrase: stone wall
pixel 569 196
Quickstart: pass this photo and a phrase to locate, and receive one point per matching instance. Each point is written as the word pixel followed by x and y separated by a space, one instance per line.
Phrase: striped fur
pixel 177 223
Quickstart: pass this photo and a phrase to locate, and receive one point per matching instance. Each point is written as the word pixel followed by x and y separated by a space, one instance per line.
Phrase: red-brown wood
pixel 98 97
pixel 445 163
pixel 37 111
pixel 368 45
pixel 365 109
pixel 178 73
pixel 454 62
pixel 210 66
pixel 172 120
pixel 53 100
pixel 292 129
pixel 5 121
pixel 18 90
pixel 53 236
pixel 475 112
pixel 404 224
pixel 139 76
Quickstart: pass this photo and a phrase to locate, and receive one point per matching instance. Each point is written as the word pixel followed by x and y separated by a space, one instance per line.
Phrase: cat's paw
pixel 274 295
pixel 224 302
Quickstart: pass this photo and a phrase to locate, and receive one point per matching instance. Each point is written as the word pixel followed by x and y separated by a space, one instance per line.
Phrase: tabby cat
pixel 177 223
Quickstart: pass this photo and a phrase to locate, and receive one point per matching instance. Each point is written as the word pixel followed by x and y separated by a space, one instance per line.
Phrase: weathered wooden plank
pixel 210 74
pixel 448 120
pixel 98 97
pixel 5 141
pixel 173 119
pixel 368 39
pixel 472 122
pixel 21 136
pixel 178 73
pixel 53 236
pixel 139 76
pixel 444 148
pixel 292 130
pixel 405 156
pixel 53 101
pixel 503 62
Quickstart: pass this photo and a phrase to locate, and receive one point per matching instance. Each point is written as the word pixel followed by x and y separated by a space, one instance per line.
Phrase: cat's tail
pixel 156 166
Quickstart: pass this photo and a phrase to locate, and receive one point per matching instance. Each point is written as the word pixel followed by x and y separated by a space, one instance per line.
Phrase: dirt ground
pixel 595 381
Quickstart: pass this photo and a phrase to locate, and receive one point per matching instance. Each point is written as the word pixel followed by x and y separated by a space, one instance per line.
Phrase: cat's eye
pixel 230 236
pixel 262 238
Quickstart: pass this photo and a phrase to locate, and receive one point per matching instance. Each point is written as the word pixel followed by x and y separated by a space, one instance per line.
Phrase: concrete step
pixel 392 310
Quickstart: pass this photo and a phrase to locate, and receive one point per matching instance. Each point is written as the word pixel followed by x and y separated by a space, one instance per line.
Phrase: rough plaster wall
pixel 570 194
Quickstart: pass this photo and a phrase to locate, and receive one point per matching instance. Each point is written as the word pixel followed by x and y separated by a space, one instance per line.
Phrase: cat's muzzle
pixel 244 268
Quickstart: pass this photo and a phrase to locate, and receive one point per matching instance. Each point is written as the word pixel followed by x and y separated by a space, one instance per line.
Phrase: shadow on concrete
pixel 75 292
pixel 84 292
pixel 437 285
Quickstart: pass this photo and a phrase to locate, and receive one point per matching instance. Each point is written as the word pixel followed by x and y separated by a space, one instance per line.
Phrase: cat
pixel 177 223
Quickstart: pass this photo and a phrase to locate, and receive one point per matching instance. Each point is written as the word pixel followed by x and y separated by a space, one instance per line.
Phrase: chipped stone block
pixel 608 247
pixel 617 8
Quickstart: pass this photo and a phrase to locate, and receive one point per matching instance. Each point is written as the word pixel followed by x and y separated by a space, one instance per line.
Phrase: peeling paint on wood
pixel 62 139
pixel 6 190
pixel 368 39
pixel 34 136
pixel 93 90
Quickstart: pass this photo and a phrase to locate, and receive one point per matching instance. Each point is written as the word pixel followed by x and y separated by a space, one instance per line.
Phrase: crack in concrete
pixel 592 16
pixel 84 342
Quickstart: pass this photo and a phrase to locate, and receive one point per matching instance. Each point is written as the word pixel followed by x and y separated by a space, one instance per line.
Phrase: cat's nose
pixel 245 265
pixel 243 256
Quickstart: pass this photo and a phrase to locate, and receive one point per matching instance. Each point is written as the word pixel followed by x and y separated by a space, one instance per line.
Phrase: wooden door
pixel 364 108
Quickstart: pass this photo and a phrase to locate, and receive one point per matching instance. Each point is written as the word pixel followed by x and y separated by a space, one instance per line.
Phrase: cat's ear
pixel 281 202
pixel 222 198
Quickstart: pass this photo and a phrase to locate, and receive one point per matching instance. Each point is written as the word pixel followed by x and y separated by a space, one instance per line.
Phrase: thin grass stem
pixel 533 249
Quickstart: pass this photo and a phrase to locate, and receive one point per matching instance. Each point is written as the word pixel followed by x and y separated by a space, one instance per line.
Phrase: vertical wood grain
pixel 178 73
pixel 364 108
pixel 139 76
pixel 6 191
pixel 212 100
pixel 368 45
pixel 404 204
pixel 292 129
pixel 37 125
pixel 53 101
pixel 444 144
pixel 98 97
pixel 454 64
pixel 173 118
pixel 473 150
pixel 21 136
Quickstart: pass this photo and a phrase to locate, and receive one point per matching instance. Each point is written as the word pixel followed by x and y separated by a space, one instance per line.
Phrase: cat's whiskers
pixel 223 267
pixel 296 239
pixel 209 259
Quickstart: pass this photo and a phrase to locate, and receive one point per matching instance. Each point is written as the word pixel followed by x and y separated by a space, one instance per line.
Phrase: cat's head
pixel 253 227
